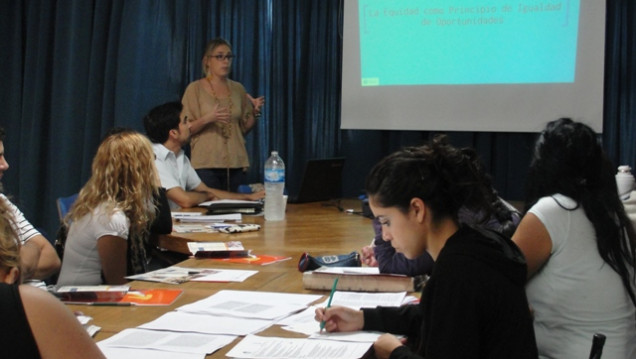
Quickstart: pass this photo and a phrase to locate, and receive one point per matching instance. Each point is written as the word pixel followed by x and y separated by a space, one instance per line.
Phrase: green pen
pixel 333 290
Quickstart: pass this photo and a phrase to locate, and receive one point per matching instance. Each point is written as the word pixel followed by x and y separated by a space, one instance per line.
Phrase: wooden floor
pixel 314 227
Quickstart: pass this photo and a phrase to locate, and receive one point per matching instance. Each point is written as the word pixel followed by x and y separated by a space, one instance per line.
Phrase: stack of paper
pixel 207 326
pixel 200 328
pixel 140 343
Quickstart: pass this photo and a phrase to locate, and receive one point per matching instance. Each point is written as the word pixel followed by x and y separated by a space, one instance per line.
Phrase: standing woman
pixel 220 114
pixel 110 219
pixel 474 304
pixel 580 247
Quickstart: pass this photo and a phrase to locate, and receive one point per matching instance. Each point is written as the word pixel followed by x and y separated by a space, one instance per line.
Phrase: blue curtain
pixel 71 70
pixel 619 126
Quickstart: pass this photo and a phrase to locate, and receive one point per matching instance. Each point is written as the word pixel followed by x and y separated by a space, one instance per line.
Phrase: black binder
pixel 245 207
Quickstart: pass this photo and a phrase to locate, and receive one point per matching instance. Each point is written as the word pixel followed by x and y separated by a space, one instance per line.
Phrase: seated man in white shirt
pixel 38 259
pixel 169 132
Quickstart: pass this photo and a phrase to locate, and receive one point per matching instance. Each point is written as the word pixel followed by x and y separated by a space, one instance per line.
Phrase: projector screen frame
pixel 477 107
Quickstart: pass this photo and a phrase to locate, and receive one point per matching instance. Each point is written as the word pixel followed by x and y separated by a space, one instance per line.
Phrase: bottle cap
pixel 624 169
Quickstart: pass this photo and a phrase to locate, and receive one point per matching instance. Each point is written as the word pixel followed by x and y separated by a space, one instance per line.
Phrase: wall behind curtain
pixel 71 70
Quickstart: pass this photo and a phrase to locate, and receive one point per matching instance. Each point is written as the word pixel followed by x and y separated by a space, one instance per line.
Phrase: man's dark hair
pixel 161 119
pixel 3 134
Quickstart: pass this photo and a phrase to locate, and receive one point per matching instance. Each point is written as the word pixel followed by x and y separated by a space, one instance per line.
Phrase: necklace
pixel 226 128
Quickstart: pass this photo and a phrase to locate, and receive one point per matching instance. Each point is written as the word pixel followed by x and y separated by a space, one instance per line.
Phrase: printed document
pixel 305 323
pixel 131 353
pixel 249 304
pixel 253 346
pixel 202 323
pixel 168 341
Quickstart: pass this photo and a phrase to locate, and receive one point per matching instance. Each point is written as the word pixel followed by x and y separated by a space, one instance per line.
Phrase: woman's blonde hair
pixel 123 177
pixel 9 241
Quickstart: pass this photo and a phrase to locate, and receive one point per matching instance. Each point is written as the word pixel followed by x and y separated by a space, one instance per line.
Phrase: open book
pixel 178 275
pixel 229 249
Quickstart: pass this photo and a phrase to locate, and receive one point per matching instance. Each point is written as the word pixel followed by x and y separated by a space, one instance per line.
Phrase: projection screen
pixel 472 65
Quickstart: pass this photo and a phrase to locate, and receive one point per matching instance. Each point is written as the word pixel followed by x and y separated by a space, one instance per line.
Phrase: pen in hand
pixel 333 290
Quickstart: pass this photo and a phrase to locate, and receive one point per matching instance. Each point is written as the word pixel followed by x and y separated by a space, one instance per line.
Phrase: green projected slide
pixel 456 42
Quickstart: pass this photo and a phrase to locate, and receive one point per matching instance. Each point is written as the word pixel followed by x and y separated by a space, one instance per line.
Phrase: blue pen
pixel 333 290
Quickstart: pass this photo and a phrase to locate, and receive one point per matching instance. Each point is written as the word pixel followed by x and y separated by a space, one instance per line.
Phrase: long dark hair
pixel 446 178
pixel 568 159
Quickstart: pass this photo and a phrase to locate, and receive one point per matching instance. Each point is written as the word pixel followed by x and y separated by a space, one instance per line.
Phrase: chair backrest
pixel 64 205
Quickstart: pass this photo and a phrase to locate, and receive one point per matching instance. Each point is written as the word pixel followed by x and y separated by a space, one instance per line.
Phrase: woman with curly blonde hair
pixel 112 214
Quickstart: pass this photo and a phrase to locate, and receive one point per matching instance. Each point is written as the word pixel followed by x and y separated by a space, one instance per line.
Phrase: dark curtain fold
pixel 619 126
pixel 72 70
pixel 303 111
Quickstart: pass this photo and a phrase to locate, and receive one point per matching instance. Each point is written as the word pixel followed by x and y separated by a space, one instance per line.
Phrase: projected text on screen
pixel 442 42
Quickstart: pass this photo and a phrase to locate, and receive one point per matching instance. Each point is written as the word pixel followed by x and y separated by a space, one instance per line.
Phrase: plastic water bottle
pixel 624 182
pixel 274 187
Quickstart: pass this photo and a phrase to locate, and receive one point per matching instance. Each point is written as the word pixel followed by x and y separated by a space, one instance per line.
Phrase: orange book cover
pixel 151 296
pixel 131 297
pixel 259 259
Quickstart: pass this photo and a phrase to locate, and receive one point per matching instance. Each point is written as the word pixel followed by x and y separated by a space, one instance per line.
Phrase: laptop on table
pixel 321 181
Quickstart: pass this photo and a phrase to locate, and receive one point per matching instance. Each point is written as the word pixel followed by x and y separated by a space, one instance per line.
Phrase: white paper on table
pixel 302 322
pixel 305 323
pixel 130 353
pixel 179 342
pixel 359 336
pixel 253 346
pixel 223 275
pixel 194 247
pixel 92 329
pixel 250 304
pixel 270 297
pixel 357 300
pixel 83 319
pixel 202 323
pixel 304 316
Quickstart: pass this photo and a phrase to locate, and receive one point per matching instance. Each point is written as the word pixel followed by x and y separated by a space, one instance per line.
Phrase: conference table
pixel 319 228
